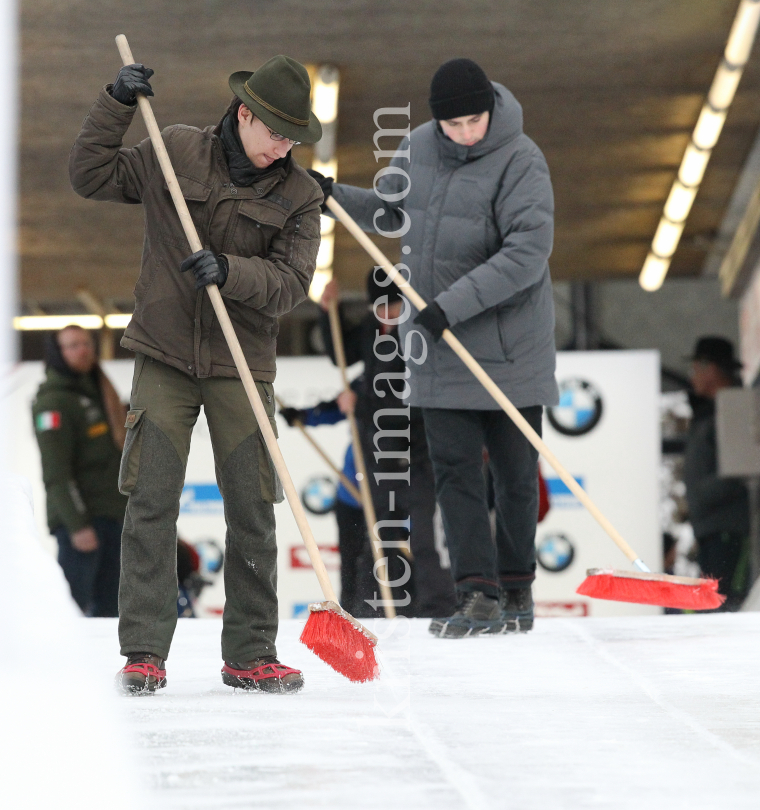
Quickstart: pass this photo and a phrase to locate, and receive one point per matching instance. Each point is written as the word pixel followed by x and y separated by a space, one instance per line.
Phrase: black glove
pixel 292 415
pixel 325 183
pixel 207 268
pixel 434 319
pixel 132 79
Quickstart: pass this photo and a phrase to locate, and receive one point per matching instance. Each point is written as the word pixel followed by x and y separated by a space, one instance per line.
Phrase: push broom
pixel 640 586
pixel 330 632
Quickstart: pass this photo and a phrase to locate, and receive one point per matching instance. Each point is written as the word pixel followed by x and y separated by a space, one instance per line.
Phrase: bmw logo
pixel 555 552
pixel 318 496
pixel 579 409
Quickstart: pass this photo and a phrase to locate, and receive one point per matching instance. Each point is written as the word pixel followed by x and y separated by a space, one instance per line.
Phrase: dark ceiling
pixel 611 90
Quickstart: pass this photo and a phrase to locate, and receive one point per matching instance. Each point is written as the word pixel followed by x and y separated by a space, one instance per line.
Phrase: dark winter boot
pixel 516 606
pixel 142 674
pixel 476 614
pixel 264 674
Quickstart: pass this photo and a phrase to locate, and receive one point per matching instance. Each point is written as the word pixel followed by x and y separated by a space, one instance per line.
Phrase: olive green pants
pixel 164 407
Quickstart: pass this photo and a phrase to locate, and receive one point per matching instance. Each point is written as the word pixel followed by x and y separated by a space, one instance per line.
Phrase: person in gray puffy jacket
pixel 470 197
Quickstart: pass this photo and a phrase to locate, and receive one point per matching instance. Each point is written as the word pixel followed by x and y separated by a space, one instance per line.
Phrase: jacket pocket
pixel 257 225
pixel 196 194
pixel 130 457
pixel 271 486
pixel 481 337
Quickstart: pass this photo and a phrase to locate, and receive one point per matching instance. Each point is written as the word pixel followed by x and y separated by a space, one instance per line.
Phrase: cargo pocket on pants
pixel 271 486
pixel 130 457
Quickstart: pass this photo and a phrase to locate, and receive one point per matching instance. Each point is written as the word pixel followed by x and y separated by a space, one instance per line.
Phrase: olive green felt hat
pixel 279 94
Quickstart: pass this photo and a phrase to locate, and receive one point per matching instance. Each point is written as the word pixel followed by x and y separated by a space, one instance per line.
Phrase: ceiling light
pixel 318 283
pixel 56 322
pixel 666 239
pixel 653 273
pixel 724 85
pixel 705 136
pixel 708 127
pixel 325 101
pixel 325 253
pixel 118 320
pixel 679 202
pixel 693 165
pixel 329 168
pixel 743 31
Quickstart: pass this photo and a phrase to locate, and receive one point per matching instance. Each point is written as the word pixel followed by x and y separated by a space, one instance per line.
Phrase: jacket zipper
pixel 293 241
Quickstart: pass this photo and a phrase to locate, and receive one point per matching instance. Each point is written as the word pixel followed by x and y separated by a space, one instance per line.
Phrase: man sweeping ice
pixel 257 214
pixel 477 227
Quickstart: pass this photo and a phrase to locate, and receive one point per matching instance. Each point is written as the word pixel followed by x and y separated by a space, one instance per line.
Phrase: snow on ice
pixel 620 713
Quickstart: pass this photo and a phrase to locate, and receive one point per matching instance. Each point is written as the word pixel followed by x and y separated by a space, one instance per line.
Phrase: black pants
pixel 424 589
pixel 352 541
pixel 93 576
pixel 723 556
pixel 456 439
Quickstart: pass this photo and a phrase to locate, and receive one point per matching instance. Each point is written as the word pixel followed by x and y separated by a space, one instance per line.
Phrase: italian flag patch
pixel 48 420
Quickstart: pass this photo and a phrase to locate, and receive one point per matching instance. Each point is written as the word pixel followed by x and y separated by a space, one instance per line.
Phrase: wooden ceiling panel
pixel 611 90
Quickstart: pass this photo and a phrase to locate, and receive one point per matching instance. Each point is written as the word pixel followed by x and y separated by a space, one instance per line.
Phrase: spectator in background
pixel 353 542
pixel 79 425
pixel 718 507
pixel 377 394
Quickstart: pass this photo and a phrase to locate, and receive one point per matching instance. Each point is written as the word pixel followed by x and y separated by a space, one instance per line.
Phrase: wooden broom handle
pixel 229 333
pixel 353 491
pixel 487 383
pixel 366 494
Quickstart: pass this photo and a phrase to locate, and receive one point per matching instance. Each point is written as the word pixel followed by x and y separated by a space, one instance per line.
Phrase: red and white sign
pixel 299 557
pixel 560 610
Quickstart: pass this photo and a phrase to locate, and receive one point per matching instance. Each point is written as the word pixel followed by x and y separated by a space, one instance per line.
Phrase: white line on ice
pixel 458 777
pixel 653 694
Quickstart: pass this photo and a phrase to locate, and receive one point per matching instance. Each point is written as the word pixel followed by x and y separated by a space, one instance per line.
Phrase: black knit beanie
pixel 460 87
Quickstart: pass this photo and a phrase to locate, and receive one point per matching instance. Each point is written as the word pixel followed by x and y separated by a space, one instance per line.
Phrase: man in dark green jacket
pixel 257 213
pixel 80 467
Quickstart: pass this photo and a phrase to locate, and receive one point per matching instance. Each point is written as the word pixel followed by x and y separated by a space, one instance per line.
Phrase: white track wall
pixel 618 461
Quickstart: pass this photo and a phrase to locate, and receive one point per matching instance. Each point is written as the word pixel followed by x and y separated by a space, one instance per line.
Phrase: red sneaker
pixel 265 674
pixel 142 674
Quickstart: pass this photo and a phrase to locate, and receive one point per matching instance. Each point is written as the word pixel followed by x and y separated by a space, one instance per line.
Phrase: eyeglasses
pixel 275 136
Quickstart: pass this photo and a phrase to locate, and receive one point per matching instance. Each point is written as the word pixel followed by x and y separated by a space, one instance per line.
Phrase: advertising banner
pixel 605 431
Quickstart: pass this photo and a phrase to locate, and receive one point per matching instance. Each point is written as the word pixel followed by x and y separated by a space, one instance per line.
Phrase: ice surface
pixel 640 712
pixel 62 743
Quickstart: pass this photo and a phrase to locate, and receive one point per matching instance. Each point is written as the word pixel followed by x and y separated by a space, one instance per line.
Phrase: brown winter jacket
pixel 269 233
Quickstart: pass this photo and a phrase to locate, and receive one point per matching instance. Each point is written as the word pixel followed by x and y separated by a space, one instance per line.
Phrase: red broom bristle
pixel 619 588
pixel 341 645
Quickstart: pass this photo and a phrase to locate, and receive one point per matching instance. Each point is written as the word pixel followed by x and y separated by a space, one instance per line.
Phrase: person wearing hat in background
pixel 257 213
pixel 718 507
pixel 476 222
pixel 79 426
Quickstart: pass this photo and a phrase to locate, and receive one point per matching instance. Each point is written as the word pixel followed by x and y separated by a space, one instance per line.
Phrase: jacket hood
pixel 506 124
pixel 56 380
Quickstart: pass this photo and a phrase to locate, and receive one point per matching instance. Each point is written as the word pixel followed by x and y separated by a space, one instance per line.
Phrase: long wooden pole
pixel 229 333
pixel 366 494
pixel 488 384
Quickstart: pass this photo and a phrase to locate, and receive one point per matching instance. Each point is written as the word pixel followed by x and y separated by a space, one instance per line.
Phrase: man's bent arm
pixel 99 167
pixel 277 283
